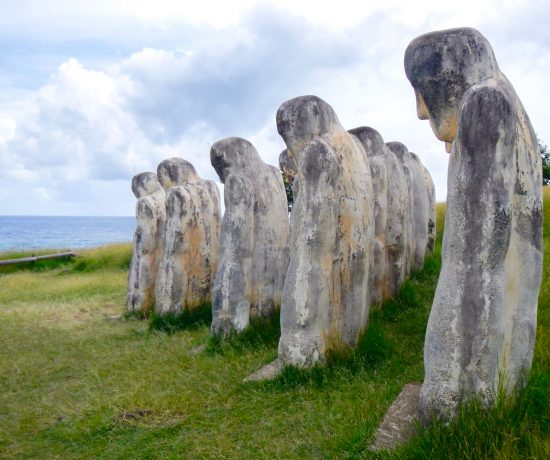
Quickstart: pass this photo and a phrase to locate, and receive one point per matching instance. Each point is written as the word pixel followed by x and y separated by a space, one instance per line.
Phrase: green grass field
pixel 79 380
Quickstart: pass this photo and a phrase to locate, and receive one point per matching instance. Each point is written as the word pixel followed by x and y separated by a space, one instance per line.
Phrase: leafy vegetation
pixel 289 193
pixel 79 380
pixel 545 156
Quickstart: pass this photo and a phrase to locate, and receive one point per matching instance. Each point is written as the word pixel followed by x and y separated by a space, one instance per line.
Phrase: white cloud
pixel 158 79
pixel 7 129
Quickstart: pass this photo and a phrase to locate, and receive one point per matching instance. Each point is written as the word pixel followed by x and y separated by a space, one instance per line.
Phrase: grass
pixel 79 380
pixel 260 333
pixel 171 323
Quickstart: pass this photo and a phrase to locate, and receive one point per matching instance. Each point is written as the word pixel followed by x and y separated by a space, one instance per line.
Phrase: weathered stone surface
pixel 288 166
pixel 150 216
pixel 420 202
pixel 326 297
pixel 190 239
pixel 268 372
pixel 400 420
pixel 393 228
pixel 379 173
pixel 431 202
pixel 254 237
pixel 481 330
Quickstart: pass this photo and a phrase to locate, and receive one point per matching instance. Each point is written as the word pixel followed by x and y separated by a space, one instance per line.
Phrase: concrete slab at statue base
pixel 268 372
pixel 400 420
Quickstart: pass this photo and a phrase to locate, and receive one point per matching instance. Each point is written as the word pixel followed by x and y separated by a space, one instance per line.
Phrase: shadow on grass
pixel 380 346
pixel 372 352
pixel 186 320
pixel 514 428
pixel 260 333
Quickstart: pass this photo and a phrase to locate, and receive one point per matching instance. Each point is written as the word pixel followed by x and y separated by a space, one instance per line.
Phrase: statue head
pixel 441 67
pixel 370 139
pixel 232 154
pixel 175 171
pixel 302 119
pixel 400 150
pixel 415 157
pixel 145 184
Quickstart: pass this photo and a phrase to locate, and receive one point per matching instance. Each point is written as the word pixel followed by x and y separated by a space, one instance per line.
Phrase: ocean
pixel 59 232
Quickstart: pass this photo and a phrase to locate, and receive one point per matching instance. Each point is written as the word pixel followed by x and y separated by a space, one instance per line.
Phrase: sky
pixel 92 93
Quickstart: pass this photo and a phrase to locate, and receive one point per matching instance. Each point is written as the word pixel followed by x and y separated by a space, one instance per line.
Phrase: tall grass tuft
pixel 546 211
pixel 113 256
pixel 515 428
pixel 186 320
pixel 261 333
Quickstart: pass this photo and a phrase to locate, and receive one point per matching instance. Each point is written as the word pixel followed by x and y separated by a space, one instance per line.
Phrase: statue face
pixel 399 149
pixel 439 106
pixel 175 171
pixel 220 161
pixel 232 154
pixel 302 119
pixel 145 184
pixel 297 128
pixel 441 67
pixel 370 139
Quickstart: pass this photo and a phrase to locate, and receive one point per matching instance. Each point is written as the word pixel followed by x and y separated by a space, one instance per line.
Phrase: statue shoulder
pixel 238 189
pixel 487 114
pixel 318 156
pixel 212 188
pixel 147 206
pixel 179 194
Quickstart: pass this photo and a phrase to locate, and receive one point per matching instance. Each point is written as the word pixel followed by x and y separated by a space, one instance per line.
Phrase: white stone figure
pixel 190 239
pixel 254 237
pixel 481 331
pixel 432 217
pixel 378 288
pixel 150 216
pixel 392 219
pixel 326 294
pixel 420 202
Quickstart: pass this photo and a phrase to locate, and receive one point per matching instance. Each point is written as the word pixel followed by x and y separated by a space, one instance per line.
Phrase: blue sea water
pixel 57 232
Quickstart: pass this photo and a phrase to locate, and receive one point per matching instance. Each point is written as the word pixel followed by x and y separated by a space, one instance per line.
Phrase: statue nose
pixel 421 109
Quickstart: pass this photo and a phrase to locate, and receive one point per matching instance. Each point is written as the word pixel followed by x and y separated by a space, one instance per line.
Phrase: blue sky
pixel 92 93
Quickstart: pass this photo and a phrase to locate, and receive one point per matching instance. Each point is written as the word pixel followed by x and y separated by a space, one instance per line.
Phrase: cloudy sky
pixel 93 92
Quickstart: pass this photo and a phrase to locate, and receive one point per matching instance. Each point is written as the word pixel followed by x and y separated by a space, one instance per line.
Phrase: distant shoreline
pixel 34 233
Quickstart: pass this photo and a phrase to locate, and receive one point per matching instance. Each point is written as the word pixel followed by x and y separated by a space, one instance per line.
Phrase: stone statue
pixel 481 332
pixel 431 202
pixel 393 227
pixel 190 240
pixel 288 166
pixel 326 294
pixel 420 202
pixel 254 237
pixel 150 216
